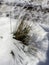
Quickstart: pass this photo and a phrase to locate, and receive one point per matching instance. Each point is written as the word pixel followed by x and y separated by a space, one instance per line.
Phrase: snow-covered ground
pixel 9 45
pixel 13 52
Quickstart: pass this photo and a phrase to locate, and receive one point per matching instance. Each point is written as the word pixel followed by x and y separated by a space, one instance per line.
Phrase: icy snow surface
pixel 13 52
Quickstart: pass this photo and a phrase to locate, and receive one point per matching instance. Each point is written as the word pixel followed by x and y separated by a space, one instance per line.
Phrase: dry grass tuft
pixel 22 33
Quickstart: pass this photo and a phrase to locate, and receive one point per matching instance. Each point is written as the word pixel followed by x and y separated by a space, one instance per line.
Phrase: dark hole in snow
pixel 12 53
pixel 7 15
pixel 1 37
pixel 29 7
pixel 0 3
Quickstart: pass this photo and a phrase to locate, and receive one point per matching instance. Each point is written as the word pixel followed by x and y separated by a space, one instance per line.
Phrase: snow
pixel 8 44
pixel 18 1
pixel 13 52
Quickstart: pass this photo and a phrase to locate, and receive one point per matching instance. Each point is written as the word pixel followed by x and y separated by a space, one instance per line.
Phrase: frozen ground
pixel 13 52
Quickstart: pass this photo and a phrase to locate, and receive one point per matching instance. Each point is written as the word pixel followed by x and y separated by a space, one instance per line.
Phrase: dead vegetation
pixel 22 33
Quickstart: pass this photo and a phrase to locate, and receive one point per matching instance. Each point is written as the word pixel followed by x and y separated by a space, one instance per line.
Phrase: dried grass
pixel 22 33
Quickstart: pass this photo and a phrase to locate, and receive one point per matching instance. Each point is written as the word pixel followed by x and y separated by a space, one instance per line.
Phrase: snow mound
pixel 13 52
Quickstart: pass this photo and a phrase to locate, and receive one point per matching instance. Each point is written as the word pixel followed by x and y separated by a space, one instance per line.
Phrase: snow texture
pixel 13 52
